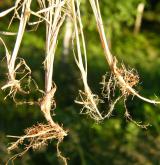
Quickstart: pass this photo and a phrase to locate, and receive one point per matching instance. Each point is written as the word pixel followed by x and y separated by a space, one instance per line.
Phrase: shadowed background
pixel 114 141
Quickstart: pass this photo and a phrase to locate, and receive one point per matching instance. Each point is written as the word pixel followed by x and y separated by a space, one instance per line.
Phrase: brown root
pixel 13 84
pixel 15 87
pixel 37 137
pixel 109 87
pixel 127 82
pixel 90 103
pixel 120 75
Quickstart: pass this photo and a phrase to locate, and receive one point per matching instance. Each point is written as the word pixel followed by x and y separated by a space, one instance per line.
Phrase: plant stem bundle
pixel 53 14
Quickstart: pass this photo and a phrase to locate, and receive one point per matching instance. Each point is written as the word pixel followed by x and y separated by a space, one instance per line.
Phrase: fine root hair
pixel 36 137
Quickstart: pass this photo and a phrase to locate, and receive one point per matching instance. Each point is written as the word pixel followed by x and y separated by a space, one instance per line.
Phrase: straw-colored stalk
pixel 55 18
pixel 52 30
pixel 88 99
pixel 53 13
pixel 112 61
pixel 39 135
pixel 13 83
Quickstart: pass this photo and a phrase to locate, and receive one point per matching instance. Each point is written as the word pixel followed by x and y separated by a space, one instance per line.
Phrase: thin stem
pixel 24 18
pixel 110 58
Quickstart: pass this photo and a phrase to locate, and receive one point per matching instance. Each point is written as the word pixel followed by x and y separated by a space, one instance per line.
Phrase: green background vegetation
pixel 114 141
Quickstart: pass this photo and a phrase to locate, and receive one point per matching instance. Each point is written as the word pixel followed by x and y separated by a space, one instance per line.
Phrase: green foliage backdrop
pixel 115 141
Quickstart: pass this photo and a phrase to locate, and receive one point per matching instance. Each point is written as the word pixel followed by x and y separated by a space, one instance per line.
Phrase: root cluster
pixel 37 137
pixel 54 13
pixel 130 77
pixel 90 103
pixel 14 85
pixel 112 85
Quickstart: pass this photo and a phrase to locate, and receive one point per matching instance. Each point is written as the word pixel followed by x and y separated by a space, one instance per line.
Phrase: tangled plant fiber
pixel 53 13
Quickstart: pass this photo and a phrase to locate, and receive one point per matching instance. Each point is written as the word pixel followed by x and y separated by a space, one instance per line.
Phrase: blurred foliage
pixel 115 141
